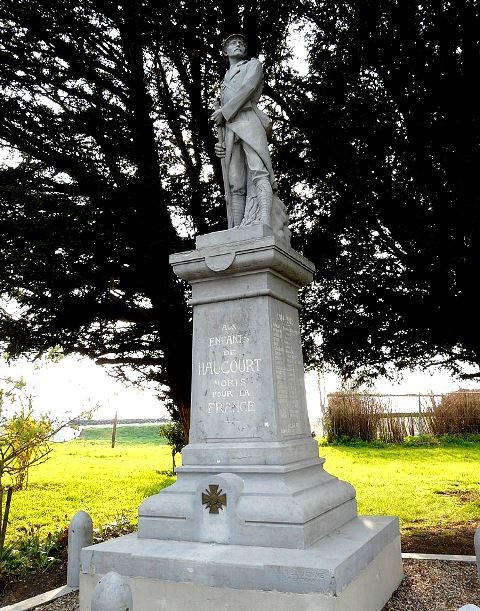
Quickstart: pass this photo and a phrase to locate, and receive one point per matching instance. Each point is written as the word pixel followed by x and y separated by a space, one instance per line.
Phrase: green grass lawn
pixel 429 488
pixel 88 474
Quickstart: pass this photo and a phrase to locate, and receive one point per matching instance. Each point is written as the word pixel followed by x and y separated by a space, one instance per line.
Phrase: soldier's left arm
pixel 252 80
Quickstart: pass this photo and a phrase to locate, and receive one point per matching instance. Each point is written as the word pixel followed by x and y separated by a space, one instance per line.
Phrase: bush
pixel 36 552
pixel 419 441
pixel 33 552
pixel 119 527
pixel 173 433
pixel 24 442
pixel 353 416
pixel 458 413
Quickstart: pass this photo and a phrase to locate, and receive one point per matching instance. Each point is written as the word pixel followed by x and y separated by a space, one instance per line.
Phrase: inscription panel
pixel 231 376
pixel 288 370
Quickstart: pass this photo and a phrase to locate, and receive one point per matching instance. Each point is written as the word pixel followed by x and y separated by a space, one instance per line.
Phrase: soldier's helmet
pixel 231 37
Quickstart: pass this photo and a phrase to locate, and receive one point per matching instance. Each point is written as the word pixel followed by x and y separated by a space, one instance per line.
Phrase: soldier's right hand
pixel 219 150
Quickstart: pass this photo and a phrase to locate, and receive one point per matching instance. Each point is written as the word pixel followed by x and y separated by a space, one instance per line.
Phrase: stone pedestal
pixel 251 478
pixel 250 434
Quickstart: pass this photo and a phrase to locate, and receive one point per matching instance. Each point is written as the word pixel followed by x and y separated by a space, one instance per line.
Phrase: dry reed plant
pixel 391 428
pixel 353 416
pixel 457 413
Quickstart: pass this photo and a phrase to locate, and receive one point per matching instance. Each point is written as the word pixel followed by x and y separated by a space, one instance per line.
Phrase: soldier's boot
pixel 265 199
pixel 238 208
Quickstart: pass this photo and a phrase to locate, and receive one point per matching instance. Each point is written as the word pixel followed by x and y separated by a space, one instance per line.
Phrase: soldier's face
pixel 236 48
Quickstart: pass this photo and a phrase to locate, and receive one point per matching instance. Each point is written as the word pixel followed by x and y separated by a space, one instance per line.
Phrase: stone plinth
pixel 253 521
pixel 250 434
pixel 354 569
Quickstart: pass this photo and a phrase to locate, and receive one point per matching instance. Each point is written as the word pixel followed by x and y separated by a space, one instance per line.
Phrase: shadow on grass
pixel 439 539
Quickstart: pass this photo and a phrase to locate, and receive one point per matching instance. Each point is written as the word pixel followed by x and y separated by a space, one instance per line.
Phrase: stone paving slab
pixel 444 557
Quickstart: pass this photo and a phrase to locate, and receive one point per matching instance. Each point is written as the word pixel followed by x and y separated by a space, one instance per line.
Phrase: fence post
pixel 476 541
pixel 112 594
pixel 114 429
pixel 421 428
pixel 323 400
pixel 80 534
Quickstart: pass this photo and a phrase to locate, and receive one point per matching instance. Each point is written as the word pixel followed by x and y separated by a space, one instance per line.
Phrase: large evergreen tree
pixel 375 148
pixel 394 218
pixel 107 104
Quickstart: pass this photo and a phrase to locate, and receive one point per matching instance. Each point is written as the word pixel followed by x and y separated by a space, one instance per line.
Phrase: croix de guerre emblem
pixel 214 498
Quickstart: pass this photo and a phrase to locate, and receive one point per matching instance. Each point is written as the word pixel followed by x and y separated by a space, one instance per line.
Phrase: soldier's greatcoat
pixel 240 92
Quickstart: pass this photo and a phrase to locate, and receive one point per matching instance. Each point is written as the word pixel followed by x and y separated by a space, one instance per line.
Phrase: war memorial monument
pixel 253 521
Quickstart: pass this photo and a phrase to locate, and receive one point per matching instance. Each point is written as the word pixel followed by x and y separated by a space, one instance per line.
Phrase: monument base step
pixel 356 567
pixel 269 509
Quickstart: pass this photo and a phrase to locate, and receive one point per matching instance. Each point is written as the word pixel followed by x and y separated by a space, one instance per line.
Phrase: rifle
pixel 226 185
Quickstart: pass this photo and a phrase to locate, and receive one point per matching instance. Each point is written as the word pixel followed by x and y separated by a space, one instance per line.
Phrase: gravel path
pixel 65 603
pixel 429 585
pixel 436 585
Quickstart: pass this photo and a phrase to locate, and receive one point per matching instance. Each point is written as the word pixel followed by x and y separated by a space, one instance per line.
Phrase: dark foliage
pixel 394 217
pixel 376 150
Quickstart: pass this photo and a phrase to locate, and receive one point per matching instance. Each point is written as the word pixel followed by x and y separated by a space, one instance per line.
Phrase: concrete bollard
pixel 476 541
pixel 80 534
pixel 112 594
pixel 469 608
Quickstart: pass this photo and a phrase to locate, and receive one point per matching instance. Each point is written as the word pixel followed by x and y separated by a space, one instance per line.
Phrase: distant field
pixel 132 434
pixel 432 489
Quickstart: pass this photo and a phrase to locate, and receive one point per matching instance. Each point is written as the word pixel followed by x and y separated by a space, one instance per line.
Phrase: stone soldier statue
pixel 250 187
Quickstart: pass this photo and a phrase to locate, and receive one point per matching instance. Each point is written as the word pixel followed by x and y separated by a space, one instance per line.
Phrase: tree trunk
pixel 1 514
pixel 184 413
pixel 114 430
pixel 6 513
